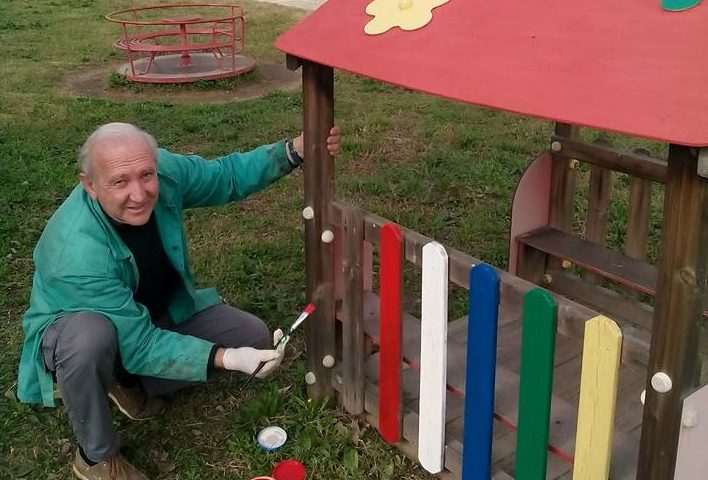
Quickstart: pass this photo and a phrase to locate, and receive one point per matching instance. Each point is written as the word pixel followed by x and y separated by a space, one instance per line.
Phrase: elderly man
pixel 113 296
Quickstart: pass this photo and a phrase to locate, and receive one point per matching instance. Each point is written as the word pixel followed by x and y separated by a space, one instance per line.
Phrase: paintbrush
pixel 283 340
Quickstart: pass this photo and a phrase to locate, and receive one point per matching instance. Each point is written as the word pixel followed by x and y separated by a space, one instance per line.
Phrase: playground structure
pixel 544 405
pixel 182 42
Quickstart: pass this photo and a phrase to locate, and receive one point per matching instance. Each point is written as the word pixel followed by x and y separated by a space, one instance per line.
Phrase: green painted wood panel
pixel 537 352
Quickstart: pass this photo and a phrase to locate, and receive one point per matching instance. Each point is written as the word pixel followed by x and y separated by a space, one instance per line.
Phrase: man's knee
pixel 251 331
pixel 261 335
pixel 83 338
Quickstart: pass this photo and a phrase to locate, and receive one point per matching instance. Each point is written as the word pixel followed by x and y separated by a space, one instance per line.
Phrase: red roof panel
pixel 626 66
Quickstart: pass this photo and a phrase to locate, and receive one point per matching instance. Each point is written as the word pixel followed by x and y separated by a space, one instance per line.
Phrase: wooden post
pixel 678 311
pixel 318 107
pixel 353 354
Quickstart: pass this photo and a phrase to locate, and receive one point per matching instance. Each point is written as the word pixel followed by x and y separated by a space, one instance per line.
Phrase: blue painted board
pixel 482 321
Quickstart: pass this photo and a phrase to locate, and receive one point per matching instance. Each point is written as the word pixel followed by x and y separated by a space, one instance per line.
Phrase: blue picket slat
pixel 482 321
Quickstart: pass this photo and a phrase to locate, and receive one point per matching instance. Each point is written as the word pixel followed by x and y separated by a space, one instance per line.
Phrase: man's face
pixel 123 179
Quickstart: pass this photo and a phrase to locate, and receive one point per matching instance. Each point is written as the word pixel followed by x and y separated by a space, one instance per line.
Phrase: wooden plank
pixel 502 476
pixel 318 118
pixel 613 265
pixel 629 409
pixel 625 451
pixel 631 315
pixel 638 215
pixel 407 444
pixel 537 351
pixel 338 263
pixel 368 266
pixel 691 459
pixel 391 289
pixel 481 368
pixel 366 263
pixel 599 190
pixel 457 330
pixel 598 396
pixel 680 292
pixel 453 457
pixel 433 358
pixel 566 378
pixel 634 164
pixel 638 211
pixel 604 300
pixel 353 353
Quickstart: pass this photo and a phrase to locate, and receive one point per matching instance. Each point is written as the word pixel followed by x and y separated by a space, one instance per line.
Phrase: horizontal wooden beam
pixel 633 317
pixel 642 166
pixel 616 305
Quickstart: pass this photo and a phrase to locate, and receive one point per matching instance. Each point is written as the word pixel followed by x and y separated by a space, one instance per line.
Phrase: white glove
pixel 247 359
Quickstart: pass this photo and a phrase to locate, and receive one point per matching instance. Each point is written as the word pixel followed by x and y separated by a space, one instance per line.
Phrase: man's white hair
pixel 119 132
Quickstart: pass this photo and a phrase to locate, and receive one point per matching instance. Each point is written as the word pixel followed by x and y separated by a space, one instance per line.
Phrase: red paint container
pixel 289 470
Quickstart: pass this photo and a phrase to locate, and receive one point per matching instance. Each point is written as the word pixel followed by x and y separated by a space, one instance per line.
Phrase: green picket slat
pixel 536 384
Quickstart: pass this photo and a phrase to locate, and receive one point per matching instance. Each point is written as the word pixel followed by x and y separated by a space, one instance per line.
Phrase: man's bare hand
pixel 334 143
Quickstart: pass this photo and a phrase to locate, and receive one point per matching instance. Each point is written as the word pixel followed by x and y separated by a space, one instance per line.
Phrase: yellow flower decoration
pixel 406 14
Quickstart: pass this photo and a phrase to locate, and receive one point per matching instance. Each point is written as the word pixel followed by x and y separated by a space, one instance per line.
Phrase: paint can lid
pixel 289 470
pixel 271 439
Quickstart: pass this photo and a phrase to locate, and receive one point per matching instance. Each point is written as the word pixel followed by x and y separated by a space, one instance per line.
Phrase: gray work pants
pixel 81 350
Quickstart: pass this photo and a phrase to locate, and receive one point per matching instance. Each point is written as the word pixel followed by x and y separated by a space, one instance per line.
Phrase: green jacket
pixel 81 264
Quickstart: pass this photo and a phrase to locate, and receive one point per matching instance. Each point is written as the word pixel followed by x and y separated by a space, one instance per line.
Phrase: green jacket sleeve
pixel 232 177
pixel 144 348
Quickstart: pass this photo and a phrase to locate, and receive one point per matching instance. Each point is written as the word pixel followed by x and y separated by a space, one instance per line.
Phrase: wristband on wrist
pixel 294 159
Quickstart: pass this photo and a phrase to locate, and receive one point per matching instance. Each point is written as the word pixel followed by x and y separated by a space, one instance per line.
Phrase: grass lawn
pixel 444 169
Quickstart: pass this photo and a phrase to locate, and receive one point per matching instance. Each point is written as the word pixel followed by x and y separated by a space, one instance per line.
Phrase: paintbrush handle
pixel 306 313
pixel 253 375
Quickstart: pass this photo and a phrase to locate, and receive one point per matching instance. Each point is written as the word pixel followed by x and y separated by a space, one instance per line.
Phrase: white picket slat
pixel 433 358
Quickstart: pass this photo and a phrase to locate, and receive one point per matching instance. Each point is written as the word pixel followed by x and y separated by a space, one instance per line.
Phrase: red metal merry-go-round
pixel 182 43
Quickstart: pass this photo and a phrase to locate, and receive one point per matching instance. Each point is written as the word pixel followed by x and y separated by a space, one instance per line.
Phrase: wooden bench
pixel 566 251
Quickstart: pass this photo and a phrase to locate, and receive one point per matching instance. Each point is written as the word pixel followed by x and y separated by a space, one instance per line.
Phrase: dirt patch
pixel 95 82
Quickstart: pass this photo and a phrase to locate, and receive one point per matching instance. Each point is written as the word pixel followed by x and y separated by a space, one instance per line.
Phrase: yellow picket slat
pixel 598 394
